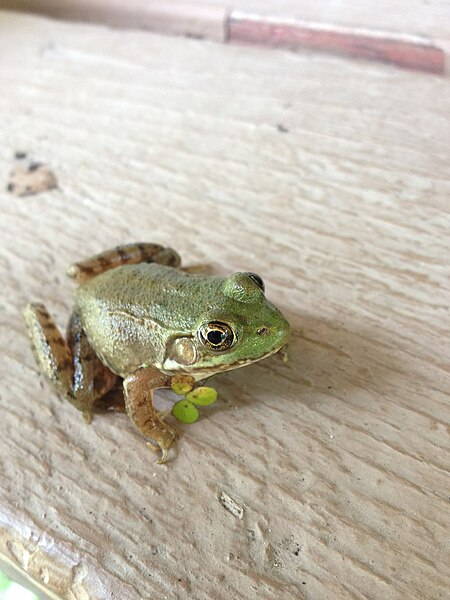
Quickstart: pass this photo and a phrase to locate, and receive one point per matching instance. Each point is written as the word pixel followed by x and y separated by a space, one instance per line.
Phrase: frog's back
pixel 130 312
pixel 150 291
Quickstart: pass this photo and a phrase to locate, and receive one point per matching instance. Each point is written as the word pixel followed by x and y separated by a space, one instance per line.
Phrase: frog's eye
pixel 257 279
pixel 216 336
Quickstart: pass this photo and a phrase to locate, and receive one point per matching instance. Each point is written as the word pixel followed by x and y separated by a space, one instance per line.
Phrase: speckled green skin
pixel 133 316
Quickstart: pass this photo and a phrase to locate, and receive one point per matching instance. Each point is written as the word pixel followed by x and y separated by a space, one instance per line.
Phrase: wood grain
pixel 411 52
pixel 206 17
pixel 171 17
pixel 407 16
pixel 335 190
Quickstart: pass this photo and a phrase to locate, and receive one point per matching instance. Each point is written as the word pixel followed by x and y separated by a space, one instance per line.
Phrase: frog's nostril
pixel 262 331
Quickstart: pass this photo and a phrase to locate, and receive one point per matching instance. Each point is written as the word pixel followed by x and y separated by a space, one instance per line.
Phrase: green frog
pixel 139 317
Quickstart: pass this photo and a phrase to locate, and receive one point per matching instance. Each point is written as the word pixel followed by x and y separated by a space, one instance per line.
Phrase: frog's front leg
pixel 138 389
pixel 71 366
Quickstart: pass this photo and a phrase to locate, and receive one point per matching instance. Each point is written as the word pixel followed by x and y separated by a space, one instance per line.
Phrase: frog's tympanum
pixel 139 317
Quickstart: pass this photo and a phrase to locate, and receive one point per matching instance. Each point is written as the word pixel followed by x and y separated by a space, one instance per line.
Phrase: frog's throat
pixel 204 372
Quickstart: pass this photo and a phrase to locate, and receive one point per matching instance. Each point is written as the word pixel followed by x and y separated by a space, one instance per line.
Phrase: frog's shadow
pixel 323 360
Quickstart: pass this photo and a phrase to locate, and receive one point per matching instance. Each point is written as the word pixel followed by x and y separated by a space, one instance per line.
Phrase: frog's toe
pixel 164 452
pixel 87 417
pixel 164 456
pixel 163 414
pixel 284 354
pixel 152 447
pixel 164 442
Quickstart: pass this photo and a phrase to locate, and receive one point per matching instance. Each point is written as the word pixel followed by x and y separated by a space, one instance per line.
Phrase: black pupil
pixel 215 337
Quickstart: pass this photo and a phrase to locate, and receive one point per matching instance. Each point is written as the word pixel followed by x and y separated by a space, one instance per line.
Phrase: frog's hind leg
pixel 71 366
pixel 50 350
pixel 91 379
pixel 128 254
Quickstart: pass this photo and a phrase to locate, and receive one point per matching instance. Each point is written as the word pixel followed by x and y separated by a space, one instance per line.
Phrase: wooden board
pixel 172 17
pixel 418 17
pixel 363 30
pixel 335 189
pixel 414 17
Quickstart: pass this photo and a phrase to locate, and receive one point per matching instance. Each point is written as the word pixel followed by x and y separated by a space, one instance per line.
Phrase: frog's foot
pixel 164 442
pixel 163 414
pixel 284 354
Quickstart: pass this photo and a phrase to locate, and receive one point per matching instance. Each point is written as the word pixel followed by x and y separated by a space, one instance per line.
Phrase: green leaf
pixel 185 411
pixel 202 396
pixel 182 384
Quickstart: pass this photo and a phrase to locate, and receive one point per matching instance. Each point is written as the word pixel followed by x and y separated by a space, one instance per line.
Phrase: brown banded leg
pixel 50 350
pixel 128 254
pixel 91 379
pixel 72 367
pixel 139 405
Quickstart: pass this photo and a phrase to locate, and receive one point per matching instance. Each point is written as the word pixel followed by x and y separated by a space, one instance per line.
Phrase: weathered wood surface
pixel 416 36
pixel 406 16
pixel 173 17
pixel 418 17
pixel 330 179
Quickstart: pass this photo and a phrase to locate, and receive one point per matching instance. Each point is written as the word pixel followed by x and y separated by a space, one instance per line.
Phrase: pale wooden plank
pixel 173 17
pixel 429 19
pixel 411 52
pixel 336 191
pixel 366 30
pixel 415 17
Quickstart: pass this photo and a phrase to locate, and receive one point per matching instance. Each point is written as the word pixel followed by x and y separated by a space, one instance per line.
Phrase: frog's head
pixel 237 326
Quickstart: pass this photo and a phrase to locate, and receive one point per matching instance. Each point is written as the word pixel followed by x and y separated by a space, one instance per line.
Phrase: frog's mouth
pixel 204 372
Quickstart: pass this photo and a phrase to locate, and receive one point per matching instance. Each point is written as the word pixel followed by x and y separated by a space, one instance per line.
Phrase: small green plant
pixel 186 410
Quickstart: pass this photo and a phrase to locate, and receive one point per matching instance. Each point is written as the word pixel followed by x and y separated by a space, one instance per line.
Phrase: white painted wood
pixel 331 180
